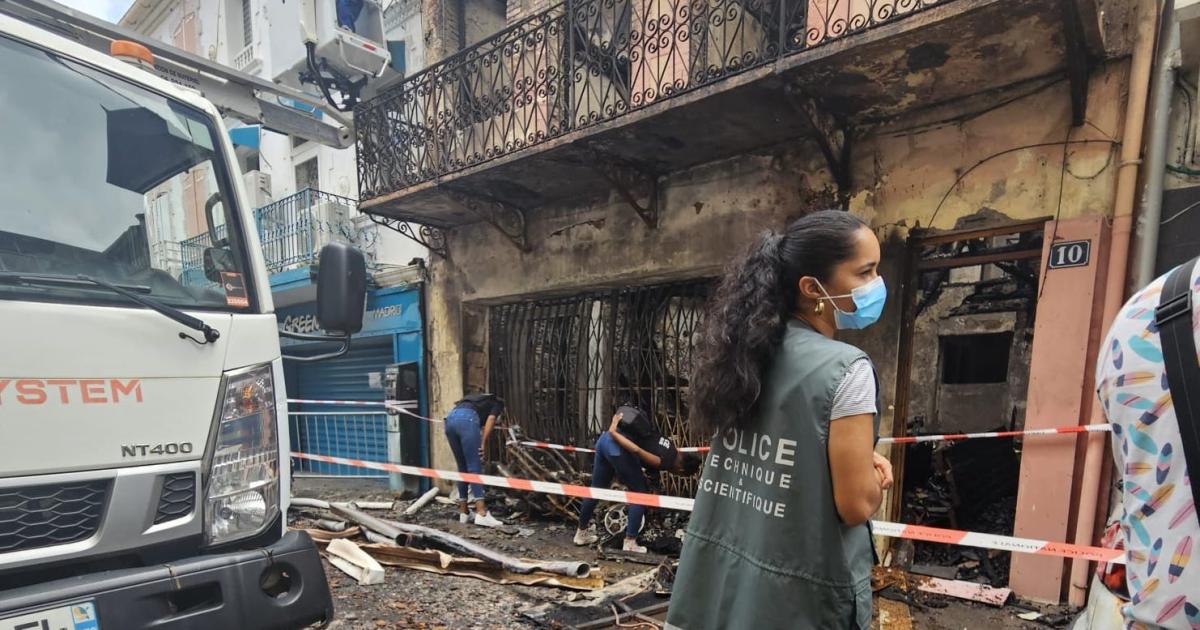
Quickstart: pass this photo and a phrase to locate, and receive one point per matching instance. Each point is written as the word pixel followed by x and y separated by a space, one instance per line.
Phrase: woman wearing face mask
pixel 779 536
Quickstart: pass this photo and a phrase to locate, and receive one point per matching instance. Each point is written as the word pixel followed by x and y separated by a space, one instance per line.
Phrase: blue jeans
pixel 347 13
pixel 612 460
pixel 465 435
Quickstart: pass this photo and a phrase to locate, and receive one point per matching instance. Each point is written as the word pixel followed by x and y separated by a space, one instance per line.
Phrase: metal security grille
pixel 354 434
pixel 51 514
pixel 357 433
pixel 563 365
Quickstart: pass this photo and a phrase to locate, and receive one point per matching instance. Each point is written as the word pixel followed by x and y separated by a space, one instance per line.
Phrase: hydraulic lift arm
pixel 237 95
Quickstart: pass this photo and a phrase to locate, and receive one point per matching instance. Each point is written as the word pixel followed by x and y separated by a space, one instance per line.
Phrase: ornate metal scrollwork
pixel 431 237
pixel 631 182
pixel 582 63
pixel 508 219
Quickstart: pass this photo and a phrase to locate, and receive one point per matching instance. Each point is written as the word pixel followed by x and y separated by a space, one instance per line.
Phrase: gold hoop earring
pixel 819 308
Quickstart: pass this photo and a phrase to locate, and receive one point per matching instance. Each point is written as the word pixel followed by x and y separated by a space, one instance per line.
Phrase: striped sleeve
pixel 855 395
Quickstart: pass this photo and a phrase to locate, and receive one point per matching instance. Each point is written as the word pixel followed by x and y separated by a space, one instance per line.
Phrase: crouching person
pixel 467 430
pixel 631 447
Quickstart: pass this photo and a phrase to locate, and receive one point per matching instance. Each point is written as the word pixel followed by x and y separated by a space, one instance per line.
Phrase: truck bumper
pixel 281 586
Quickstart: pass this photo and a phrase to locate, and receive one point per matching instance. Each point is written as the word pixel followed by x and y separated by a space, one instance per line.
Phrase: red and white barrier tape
pixel 352 403
pixel 580 449
pixel 950 437
pixel 397 405
pixel 582 492
pixel 993 541
pixel 880 528
pixel 947 437
pixel 400 405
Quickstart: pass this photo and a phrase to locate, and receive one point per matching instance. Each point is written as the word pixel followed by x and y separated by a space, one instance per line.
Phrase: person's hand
pixel 481 449
pixel 883 468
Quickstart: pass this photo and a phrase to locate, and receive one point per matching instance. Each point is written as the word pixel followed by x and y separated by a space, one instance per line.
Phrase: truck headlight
pixel 241 497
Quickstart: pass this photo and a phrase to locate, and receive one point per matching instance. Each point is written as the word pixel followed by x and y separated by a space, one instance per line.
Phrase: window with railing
pixel 244 59
pixel 294 229
pixel 563 365
pixel 292 232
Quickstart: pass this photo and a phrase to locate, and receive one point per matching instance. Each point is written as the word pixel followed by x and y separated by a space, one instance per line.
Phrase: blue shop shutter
pixel 334 432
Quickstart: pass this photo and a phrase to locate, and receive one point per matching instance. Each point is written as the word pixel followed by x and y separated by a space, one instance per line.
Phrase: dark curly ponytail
pixel 748 314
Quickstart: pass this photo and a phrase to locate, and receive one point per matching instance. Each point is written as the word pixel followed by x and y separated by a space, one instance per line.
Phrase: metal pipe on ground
pixel 377 538
pixel 374 505
pixel 308 503
pixel 421 502
pixel 404 532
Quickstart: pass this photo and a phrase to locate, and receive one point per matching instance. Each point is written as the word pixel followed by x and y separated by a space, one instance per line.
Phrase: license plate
pixel 73 617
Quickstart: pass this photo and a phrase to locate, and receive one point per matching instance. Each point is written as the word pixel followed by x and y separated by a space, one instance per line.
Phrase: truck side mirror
pixel 341 289
pixel 341 298
pixel 217 260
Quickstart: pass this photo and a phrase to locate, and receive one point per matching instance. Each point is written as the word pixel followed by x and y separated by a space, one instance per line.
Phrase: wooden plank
pixel 904 353
pixel 1033 225
pixel 354 562
pixel 946 573
pixel 893 615
pixel 434 561
pixel 981 593
pixel 982 259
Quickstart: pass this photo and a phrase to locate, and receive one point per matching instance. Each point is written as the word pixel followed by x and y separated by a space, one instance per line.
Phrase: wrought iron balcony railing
pixel 292 232
pixel 294 229
pixel 581 63
pixel 191 257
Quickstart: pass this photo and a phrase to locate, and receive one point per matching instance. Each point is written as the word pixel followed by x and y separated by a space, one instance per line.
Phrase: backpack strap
pixel 1173 317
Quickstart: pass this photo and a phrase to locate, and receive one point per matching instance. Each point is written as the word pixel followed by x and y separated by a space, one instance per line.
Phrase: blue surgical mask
pixel 868 302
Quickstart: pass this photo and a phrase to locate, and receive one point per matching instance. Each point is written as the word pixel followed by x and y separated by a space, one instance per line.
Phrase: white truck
pixel 143 443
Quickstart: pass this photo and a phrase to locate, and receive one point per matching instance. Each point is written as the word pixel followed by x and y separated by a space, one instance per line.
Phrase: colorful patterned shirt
pixel 1159 524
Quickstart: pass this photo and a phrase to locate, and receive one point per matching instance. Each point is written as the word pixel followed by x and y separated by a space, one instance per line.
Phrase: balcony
pixel 596 94
pixel 191 257
pixel 292 232
pixel 245 61
pixel 294 229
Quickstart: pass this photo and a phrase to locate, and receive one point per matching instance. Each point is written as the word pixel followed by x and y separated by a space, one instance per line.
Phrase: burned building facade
pixel 582 177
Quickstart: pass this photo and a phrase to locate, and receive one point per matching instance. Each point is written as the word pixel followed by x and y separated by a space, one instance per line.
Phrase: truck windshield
pixel 103 178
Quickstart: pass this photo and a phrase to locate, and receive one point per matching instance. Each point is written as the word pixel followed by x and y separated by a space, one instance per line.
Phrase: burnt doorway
pixel 965 348
pixel 564 364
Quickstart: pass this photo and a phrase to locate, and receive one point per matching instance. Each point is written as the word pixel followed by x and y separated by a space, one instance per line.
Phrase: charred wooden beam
pixel 1078 64
pixel 832 134
pixel 403 533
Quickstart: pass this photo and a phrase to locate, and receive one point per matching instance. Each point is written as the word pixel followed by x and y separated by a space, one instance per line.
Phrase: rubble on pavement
pixel 431 589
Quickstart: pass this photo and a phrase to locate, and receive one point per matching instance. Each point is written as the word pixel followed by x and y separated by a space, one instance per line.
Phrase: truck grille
pixel 52 514
pixel 176 498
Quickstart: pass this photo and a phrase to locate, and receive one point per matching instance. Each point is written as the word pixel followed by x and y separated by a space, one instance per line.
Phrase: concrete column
pixel 445 372
pixel 440 21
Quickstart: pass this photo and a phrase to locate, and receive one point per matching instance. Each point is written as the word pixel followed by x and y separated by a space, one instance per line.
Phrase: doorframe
pixel 914 267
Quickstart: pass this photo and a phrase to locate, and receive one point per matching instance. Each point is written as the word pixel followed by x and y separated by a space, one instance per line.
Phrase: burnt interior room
pixel 972 316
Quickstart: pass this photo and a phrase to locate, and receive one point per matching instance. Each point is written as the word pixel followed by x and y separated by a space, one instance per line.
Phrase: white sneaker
pixel 586 536
pixel 631 546
pixel 487 520
pixel 464 518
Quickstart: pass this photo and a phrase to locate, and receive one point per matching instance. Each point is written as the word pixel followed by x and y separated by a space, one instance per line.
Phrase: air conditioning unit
pixel 355 53
pixel 258 188
pixel 334 216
